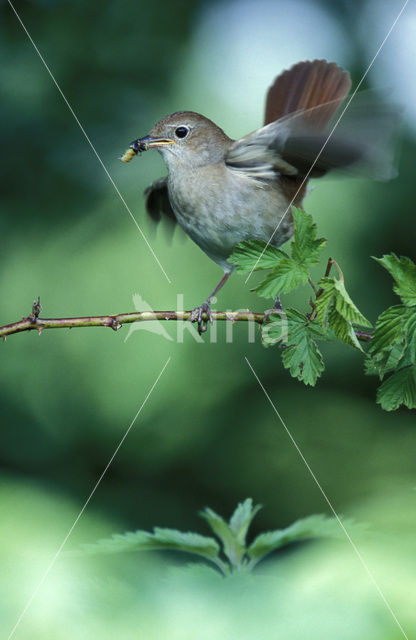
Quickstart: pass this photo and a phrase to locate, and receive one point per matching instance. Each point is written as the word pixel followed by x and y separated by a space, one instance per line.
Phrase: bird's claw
pixel 196 316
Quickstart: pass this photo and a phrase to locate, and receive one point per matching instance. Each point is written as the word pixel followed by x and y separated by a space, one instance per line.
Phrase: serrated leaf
pixel 410 328
pixel 302 356
pixel 315 526
pixel 304 361
pixel 275 329
pixel 335 293
pixel 306 247
pixel 403 270
pixel 335 308
pixel 398 389
pixel 159 539
pixel 281 323
pixel 286 276
pixel 252 255
pixel 384 361
pixel 242 518
pixel 389 329
pixel 343 329
pixel 232 548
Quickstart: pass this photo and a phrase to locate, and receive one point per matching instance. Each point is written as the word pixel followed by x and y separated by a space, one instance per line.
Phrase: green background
pixel 207 435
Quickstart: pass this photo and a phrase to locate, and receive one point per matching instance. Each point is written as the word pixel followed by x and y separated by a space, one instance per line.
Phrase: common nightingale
pixel 222 191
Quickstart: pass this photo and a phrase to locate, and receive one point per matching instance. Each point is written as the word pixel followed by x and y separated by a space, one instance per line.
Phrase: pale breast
pixel 218 209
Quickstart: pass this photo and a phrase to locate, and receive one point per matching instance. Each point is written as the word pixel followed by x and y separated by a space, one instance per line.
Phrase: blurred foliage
pixel 207 434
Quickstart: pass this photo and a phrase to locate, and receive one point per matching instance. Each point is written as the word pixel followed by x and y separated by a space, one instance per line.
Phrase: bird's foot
pixel 197 316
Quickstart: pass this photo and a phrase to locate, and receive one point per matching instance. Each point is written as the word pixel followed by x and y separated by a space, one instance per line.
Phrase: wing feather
pixel 157 201
pixel 299 107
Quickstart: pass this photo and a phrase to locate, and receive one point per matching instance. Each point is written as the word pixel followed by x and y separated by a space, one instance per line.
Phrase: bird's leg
pixel 277 306
pixel 197 313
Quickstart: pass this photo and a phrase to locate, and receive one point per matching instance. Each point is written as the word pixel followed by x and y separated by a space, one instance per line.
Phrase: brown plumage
pixel 222 191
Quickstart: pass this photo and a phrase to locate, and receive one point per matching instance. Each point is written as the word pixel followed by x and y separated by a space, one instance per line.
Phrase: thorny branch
pixel 115 322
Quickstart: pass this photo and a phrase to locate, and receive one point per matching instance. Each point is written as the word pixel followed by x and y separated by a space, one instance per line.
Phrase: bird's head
pixel 185 138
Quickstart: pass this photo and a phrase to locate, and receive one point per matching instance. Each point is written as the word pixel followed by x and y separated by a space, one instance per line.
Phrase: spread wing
pixel 157 201
pixel 299 107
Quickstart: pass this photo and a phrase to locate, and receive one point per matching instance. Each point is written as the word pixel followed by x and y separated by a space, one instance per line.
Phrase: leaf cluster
pixel 333 315
pixel 393 346
pixel 232 554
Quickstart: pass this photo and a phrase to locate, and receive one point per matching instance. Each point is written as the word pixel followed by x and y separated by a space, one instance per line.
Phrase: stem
pixel 115 322
pixel 221 565
pixel 315 290
pixel 338 268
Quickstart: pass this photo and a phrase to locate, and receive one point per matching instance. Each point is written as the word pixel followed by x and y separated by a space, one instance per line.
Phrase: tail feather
pixel 307 85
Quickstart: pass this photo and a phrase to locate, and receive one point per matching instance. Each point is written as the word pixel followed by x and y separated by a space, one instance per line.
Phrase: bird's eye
pixel 181 132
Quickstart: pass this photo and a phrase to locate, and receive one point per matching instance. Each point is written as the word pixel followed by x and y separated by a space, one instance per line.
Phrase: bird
pixel 223 191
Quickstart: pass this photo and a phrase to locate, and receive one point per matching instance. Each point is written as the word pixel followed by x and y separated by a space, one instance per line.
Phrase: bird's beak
pixel 143 144
pixel 149 142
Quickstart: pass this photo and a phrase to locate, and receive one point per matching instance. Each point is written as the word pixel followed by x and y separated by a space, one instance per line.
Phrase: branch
pixel 34 322
pixel 115 322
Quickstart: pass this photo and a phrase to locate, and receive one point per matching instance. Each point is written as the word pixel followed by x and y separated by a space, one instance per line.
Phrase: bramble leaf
pixel 286 276
pixel 287 272
pixel 403 270
pixel 335 308
pixel 252 255
pixel 304 360
pixel 398 389
pixel 410 328
pixel 384 361
pixel 306 247
pixel 301 356
pixel 343 329
pixel 335 294
pixel 389 329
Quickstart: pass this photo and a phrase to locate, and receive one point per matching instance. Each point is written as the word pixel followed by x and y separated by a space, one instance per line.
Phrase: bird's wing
pixel 157 201
pixel 299 108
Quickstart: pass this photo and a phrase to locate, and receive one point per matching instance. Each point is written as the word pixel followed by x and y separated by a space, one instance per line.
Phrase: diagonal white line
pixel 329 503
pixel 64 541
pixel 330 134
pixel 89 142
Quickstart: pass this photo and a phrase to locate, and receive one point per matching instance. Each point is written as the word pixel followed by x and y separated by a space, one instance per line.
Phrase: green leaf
pixel 233 549
pixel 403 270
pixel 302 356
pixel 286 276
pixel 287 272
pixel 160 539
pixel 343 329
pixel 304 361
pixel 388 342
pixel 306 247
pixel 315 526
pixel 410 328
pixel 242 518
pixel 253 255
pixel 335 307
pixel 384 361
pixel 389 329
pixel 398 389
pixel 335 294
pixel 275 329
